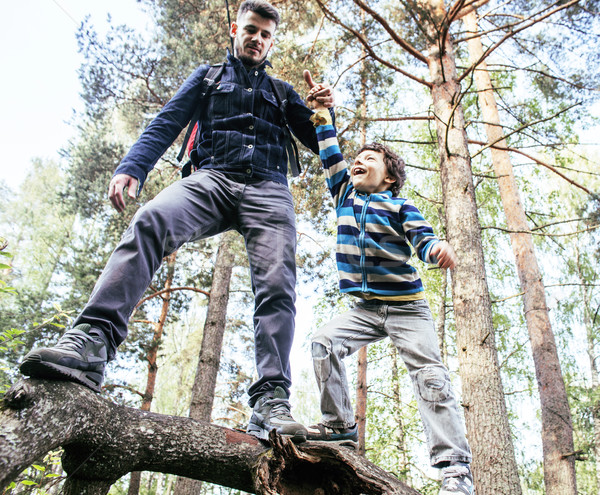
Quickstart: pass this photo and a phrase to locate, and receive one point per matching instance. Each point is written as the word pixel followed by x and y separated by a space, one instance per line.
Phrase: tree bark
pixel 151 357
pixel 589 323
pixel 557 428
pixel 494 464
pixel 104 441
pixel 362 386
pixel 401 447
pixel 203 390
pixel 361 398
pixel 440 322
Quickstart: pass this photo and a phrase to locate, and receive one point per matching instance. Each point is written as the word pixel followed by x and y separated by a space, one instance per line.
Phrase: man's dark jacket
pixel 240 129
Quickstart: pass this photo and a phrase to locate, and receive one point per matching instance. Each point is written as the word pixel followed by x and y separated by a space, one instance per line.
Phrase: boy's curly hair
pixel 394 164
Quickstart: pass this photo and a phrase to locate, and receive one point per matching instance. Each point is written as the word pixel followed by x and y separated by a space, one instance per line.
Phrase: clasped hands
pixel 320 95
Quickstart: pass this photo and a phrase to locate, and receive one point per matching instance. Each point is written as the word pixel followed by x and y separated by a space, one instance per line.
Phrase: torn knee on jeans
pixel 319 350
pixel 321 361
pixel 433 384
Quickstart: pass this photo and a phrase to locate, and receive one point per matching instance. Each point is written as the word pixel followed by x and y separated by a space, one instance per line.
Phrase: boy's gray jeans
pixel 202 205
pixel 410 327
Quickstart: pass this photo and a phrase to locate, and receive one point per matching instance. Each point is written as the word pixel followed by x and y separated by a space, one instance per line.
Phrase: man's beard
pixel 247 60
pixel 250 62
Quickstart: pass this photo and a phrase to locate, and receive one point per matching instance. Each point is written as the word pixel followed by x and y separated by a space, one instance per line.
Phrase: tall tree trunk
pixel 361 398
pixel 557 428
pixel 589 322
pixel 440 322
pixel 136 476
pixel 494 463
pixel 361 376
pixel 203 390
pixel 403 468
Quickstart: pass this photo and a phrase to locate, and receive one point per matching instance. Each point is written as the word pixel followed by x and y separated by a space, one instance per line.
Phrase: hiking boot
pixel 77 357
pixel 457 480
pixel 272 411
pixel 345 437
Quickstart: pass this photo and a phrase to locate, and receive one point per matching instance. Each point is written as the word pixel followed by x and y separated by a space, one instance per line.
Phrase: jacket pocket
pixel 270 108
pixel 223 99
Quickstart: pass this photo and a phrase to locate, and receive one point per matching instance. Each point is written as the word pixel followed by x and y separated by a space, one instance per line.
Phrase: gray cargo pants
pixel 410 327
pixel 202 205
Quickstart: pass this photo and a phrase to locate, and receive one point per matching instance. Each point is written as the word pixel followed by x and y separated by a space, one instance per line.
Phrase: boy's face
pixel 369 173
pixel 253 38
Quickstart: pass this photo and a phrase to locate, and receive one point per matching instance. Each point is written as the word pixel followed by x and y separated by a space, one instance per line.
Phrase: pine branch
pixel 525 126
pixel 112 386
pixel 103 441
pixel 530 21
pixel 172 289
pixel 539 162
pixel 543 73
pixel 336 20
pixel 353 64
pixel 542 234
pixel 467 8
pixel 400 41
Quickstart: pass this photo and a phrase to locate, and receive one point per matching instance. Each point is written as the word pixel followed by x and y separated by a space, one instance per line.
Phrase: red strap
pixel 192 138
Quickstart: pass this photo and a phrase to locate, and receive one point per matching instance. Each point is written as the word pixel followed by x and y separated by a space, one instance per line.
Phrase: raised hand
pixel 320 95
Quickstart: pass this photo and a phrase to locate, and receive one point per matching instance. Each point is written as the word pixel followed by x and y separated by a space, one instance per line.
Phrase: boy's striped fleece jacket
pixel 373 231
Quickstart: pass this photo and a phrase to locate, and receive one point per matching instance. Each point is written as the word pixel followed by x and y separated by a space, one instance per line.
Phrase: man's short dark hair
pixel 395 165
pixel 260 7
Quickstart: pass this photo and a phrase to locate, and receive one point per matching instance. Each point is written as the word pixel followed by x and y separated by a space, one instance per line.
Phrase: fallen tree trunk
pixel 103 441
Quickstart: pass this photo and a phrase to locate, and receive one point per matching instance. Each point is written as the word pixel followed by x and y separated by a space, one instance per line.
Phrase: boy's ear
pixel 389 180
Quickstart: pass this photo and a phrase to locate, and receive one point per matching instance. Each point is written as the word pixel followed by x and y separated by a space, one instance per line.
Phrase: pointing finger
pixel 308 78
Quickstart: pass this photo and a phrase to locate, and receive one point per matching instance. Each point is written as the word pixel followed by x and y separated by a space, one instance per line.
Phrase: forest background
pixel 60 229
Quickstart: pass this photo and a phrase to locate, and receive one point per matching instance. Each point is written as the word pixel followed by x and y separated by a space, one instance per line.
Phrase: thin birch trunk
pixel 557 428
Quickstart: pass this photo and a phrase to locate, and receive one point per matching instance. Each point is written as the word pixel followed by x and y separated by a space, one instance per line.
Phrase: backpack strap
pixel 291 149
pixel 212 77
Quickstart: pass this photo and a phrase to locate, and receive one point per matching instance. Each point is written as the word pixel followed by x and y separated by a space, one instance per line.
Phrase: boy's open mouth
pixel 358 170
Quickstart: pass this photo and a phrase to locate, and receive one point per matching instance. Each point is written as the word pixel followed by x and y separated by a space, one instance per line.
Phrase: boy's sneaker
pixel 345 437
pixel 457 480
pixel 77 357
pixel 272 411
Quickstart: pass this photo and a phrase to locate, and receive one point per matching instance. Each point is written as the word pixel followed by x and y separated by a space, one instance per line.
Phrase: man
pixel 240 183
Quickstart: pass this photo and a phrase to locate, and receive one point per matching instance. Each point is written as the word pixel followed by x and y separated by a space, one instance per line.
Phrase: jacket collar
pixel 236 62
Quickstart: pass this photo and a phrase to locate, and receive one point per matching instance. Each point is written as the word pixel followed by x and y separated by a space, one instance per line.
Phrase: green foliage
pixel 4 287
pixel 9 338
pixel 40 478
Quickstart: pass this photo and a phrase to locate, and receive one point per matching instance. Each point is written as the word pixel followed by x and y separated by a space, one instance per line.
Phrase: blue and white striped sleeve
pixel 335 167
pixel 418 231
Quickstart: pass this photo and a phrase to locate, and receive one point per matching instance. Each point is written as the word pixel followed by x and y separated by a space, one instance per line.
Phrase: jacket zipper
pixel 362 242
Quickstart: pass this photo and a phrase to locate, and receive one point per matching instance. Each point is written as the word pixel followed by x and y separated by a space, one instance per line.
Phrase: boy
pixel 374 228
